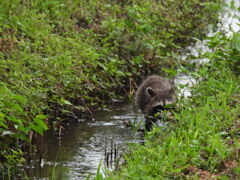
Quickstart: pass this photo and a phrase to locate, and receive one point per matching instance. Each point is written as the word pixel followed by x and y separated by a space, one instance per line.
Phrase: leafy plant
pixel 59 59
pixel 204 140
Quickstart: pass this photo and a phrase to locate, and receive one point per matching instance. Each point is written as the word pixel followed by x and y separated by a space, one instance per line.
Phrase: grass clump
pixel 205 141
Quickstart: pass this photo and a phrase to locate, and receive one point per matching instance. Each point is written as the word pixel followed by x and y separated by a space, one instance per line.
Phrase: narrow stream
pixel 84 143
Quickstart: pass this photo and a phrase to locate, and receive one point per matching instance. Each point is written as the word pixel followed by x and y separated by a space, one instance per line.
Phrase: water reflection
pixel 231 18
pixel 229 22
pixel 82 147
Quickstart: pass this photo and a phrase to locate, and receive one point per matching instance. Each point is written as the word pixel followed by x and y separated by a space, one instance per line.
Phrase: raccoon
pixel 152 96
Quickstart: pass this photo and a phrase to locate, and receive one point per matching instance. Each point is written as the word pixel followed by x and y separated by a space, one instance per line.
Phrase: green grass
pixel 204 140
pixel 61 58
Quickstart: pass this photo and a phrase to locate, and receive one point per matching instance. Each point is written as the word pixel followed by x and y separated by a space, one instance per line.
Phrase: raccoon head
pixel 159 99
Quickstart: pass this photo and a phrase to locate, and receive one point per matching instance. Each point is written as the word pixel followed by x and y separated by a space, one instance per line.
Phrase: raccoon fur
pixel 152 96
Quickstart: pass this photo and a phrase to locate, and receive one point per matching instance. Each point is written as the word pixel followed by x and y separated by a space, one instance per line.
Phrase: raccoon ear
pixel 150 92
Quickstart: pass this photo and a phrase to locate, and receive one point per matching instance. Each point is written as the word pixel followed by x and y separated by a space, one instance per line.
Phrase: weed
pixel 203 141
pixel 60 59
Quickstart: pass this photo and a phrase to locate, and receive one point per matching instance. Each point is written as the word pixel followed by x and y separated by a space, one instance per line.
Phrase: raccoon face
pixel 159 99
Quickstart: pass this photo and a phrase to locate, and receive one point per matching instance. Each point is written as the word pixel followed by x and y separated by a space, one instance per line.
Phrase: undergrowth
pixel 205 141
pixel 61 58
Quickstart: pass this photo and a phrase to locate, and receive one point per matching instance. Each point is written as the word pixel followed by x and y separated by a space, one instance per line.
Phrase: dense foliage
pixel 59 58
pixel 204 140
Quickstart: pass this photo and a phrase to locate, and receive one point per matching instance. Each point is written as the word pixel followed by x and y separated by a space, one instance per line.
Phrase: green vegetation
pixel 204 140
pixel 60 58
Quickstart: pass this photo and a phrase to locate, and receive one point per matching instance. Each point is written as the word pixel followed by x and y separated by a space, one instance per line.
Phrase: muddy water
pixel 83 144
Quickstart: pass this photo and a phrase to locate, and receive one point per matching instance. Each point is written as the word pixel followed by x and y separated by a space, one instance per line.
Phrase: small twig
pixel 86 106
pixel 115 151
pixel 105 150
pixel 111 157
pixel 107 160
pixel 237 153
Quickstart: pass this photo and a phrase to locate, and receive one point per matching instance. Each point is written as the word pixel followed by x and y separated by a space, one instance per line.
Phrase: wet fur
pixel 153 91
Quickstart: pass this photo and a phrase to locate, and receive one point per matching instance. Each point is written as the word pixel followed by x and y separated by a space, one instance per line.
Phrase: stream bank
pixel 86 148
pixel 60 58
pixel 205 143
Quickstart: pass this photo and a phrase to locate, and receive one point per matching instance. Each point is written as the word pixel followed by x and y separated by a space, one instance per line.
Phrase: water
pixel 82 146
pixel 229 22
